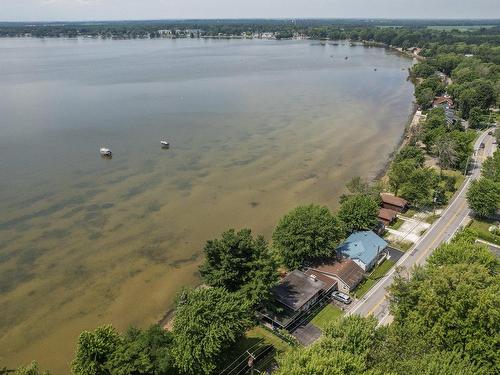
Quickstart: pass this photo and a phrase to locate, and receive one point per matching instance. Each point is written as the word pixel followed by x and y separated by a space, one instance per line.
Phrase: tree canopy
pixel 305 234
pixel 483 197
pixel 240 263
pixel 359 211
pixel 206 323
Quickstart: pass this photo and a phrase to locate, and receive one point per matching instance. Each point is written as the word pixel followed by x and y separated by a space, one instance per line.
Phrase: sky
pixel 83 10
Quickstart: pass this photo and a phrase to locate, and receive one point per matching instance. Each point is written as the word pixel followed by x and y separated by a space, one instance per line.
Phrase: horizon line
pixel 257 19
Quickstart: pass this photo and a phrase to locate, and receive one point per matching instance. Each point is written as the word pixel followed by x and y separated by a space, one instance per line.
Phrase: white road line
pixel 408 253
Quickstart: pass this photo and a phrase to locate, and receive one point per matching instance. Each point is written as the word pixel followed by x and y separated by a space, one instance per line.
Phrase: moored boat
pixel 165 144
pixel 105 151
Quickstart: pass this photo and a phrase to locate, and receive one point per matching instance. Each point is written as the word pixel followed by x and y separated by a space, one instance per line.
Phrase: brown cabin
pixel 387 216
pixel 394 203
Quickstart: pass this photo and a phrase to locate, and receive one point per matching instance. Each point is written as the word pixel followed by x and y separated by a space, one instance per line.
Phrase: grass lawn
pixel 397 224
pixel 270 338
pixel 254 339
pixel 410 213
pixel 402 245
pixel 481 227
pixel 328 314
pixel 372 279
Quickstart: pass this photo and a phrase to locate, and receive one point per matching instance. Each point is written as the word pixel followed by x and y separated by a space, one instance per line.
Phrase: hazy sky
pixel 48 10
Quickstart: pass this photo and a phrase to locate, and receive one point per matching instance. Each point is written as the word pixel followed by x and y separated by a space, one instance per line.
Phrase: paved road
pixel 456 214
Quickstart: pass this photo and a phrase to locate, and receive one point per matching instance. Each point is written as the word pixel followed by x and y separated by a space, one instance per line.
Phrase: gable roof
pixel 393 200
pixel 296 289
pixel 443 100
pixel 387 214
pixel 364 246
pixel 346 270
pixel 329 281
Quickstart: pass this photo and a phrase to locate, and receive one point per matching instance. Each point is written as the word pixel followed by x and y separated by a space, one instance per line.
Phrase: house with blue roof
pixel 365 248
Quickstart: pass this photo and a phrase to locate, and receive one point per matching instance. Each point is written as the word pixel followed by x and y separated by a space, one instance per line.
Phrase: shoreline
pixel 401 143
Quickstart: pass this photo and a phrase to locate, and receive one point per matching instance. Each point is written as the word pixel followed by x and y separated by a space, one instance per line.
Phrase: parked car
pixel 342 297
pixel 481 145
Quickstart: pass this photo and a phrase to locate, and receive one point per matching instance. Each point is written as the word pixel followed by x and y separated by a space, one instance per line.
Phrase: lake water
pixel 257 127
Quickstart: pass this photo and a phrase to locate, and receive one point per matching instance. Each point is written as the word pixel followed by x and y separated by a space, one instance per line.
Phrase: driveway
pixel 411 230
pixel 307 334
pixel 394 254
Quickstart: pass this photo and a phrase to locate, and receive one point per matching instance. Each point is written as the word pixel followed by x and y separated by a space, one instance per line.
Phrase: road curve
pixel 375 302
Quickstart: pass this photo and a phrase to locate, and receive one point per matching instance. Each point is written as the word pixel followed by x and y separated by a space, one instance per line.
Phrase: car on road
pixel 482 145
pixel 342 297
pixel 490 132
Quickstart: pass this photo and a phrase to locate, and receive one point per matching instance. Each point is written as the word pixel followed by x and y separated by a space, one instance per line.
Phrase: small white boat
pixel 165 144
pixel 105 151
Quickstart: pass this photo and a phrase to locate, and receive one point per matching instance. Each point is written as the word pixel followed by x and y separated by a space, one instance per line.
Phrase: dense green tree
pixel 207 322
pixel 319 360
pixel 491 167
pixel 305 234
pixel 411 152
pixel 143 352
pixel 446 62
pixel 400 172
pixel 445 149
pixel 483 197
pixel 475 117
pixel 238 262
pixel 424 96
pixel 353 334
pixel 359 211
pixel 463 147
pixel 423 70
pixel 94 350
pixel 453 308
pixel 419 187
pixel 464 250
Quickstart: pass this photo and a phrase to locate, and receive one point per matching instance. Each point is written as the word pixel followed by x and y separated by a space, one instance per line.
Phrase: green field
pixel 328 314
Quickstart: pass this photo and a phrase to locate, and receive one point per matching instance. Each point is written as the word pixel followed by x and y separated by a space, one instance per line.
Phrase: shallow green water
pixel 256 127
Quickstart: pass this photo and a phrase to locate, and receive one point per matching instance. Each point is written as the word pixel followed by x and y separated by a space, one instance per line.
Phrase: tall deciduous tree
pixel 238 262
pixel 446 153
pixel 315 360
pixel 305 234
pixel 491 167
pixel 94 350
pixel 484 197
pixel 454 307
pixel 419 187
pixel 359 211
pixel 463 249
pixel 143 352
pixel 475 117
pixel 400 172
pixel 206 323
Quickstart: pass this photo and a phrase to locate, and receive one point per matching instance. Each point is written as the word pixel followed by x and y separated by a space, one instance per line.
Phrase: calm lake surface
pixel 256 128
